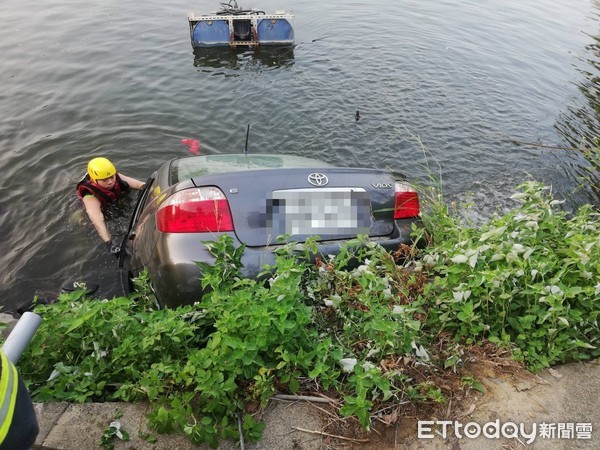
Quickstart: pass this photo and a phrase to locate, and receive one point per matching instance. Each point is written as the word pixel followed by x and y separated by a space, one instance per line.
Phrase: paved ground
pixel 567 395
pixel 564 401
pixel 80 427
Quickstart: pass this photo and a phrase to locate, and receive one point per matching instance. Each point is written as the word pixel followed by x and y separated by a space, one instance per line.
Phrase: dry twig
pixel 554 147
pixel 322 433
pixel 304 398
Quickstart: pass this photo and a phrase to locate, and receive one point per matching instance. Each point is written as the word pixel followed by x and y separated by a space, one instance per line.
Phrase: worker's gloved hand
pixel 113 247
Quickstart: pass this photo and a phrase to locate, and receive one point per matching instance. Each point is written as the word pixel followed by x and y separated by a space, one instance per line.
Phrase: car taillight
pixel 196 210
pixel 407 201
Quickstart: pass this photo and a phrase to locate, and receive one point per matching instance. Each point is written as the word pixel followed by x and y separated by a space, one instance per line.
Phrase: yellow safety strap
pixel 9 386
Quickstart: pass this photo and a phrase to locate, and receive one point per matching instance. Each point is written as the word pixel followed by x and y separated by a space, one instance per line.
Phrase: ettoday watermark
pixel 427 429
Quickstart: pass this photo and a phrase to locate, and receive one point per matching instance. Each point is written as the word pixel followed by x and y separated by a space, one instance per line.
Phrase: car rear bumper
pixel 176 276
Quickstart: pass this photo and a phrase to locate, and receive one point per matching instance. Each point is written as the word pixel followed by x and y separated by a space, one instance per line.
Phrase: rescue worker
pixel 18 424
pixel 102 186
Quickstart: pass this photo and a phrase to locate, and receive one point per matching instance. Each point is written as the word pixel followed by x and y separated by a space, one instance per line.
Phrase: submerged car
pixel 254 199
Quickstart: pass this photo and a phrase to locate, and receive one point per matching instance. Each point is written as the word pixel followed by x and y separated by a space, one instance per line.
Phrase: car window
pixel 153 192
pixel 191 167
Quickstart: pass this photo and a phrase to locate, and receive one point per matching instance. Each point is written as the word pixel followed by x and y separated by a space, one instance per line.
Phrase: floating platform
pixel 236 27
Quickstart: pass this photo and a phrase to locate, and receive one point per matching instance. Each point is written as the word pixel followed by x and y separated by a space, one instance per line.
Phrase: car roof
pixel 194 166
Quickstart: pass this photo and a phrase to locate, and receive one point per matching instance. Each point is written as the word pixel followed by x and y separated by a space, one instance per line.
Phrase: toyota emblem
pixel 318 179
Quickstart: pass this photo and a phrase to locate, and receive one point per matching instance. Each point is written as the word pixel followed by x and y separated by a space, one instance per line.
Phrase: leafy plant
pixel 529 278
pixel 472 383
pixel 114 429
pixel 356 326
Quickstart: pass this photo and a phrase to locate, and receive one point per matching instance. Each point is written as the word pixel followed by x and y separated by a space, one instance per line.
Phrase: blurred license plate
pixel 329 211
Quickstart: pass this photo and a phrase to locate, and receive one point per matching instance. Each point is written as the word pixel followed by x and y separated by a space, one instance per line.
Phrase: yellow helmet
pixel 100 168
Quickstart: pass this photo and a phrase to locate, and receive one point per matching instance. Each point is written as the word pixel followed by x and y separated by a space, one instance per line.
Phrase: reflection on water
pixel 580 124
pixel 262 58
pixel 465 77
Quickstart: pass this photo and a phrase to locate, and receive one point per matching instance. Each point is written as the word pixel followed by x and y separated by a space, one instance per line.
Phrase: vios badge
pixel 318 179
pixel 382 185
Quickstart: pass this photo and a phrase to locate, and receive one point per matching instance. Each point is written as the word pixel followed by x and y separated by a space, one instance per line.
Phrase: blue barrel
pixel 275 31
pixel 207 33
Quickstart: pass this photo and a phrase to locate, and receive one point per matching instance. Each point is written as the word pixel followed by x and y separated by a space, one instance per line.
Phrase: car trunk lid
pixel 332 203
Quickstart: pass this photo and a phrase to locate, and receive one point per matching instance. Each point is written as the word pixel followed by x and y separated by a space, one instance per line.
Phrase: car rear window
pixel 185 168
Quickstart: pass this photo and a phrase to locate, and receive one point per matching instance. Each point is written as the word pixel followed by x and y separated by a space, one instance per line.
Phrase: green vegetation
pixel 356 327
pixel 530 278
pixel 114 429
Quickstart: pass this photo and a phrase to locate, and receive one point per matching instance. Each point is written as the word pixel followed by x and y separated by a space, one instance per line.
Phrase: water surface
pixel 464 78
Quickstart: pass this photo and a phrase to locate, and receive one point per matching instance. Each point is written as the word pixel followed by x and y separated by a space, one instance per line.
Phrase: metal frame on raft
pixel 237 27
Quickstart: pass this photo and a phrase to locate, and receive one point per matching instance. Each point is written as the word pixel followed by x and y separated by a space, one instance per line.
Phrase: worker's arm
pixel 132 182
pixel 94 211
pixel 20 432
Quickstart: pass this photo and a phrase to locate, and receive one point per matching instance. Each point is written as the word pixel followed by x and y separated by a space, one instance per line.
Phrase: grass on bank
pixel 371 337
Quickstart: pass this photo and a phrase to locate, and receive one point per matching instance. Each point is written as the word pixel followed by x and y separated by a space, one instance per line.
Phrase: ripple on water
pixel 461 78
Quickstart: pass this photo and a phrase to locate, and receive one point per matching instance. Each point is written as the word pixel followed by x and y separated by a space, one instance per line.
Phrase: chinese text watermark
pixel 427 429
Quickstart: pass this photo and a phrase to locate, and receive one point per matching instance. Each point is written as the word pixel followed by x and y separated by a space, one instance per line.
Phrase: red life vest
pixel 105 196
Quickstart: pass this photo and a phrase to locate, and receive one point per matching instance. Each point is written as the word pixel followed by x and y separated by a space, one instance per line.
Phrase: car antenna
pixel 246 146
